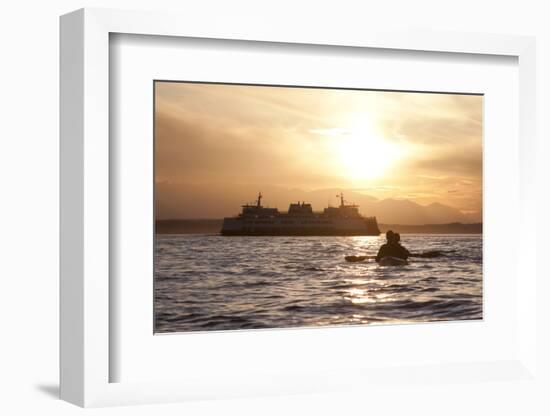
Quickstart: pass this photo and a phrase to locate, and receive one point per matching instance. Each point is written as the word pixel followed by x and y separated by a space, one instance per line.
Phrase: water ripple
pixel 209 282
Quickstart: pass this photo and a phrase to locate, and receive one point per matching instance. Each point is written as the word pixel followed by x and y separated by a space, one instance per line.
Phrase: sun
pixel 363 154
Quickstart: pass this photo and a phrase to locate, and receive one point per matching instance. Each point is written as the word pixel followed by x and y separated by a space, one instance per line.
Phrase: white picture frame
pixel 85 211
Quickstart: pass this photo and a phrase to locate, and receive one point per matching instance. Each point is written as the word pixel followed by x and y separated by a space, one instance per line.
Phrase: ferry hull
pixel 300 220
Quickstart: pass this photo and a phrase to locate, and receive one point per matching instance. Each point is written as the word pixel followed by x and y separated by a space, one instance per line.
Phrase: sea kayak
pixel 392 261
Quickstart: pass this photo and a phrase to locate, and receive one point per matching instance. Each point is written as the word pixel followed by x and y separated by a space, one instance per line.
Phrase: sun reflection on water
pixel 359 296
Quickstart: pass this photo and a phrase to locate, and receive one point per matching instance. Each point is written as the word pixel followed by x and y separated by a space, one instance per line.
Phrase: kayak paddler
pixel 392 248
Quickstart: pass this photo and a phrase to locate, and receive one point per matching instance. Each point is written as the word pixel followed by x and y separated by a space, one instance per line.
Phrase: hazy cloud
pixel 295 138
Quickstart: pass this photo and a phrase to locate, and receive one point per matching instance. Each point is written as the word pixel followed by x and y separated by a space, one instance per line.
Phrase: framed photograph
pixel 356 168
pixel 259 214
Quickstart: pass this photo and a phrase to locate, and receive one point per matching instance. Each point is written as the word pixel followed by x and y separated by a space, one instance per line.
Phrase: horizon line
pixel 382 223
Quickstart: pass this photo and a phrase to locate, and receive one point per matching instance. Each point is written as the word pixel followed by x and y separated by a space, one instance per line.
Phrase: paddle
pixel 354 259
pixel 426 255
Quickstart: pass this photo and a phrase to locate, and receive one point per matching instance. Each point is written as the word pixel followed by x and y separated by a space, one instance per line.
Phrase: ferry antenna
pixel 259 199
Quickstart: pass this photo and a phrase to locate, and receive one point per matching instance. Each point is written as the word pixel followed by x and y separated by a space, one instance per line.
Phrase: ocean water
pixel 210 282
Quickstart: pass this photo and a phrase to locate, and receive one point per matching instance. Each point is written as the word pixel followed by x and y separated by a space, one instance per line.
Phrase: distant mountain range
pixel 178 201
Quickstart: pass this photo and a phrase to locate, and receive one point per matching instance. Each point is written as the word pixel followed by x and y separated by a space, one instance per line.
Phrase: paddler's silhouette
pixel 392 248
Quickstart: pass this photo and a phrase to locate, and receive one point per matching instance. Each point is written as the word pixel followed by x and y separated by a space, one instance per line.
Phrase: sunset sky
pixel 218 144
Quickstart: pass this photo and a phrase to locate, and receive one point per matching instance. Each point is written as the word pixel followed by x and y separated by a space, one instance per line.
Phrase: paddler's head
pixel 390 236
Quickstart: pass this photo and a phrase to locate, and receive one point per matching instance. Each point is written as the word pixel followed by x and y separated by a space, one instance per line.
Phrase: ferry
pixel 300 220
